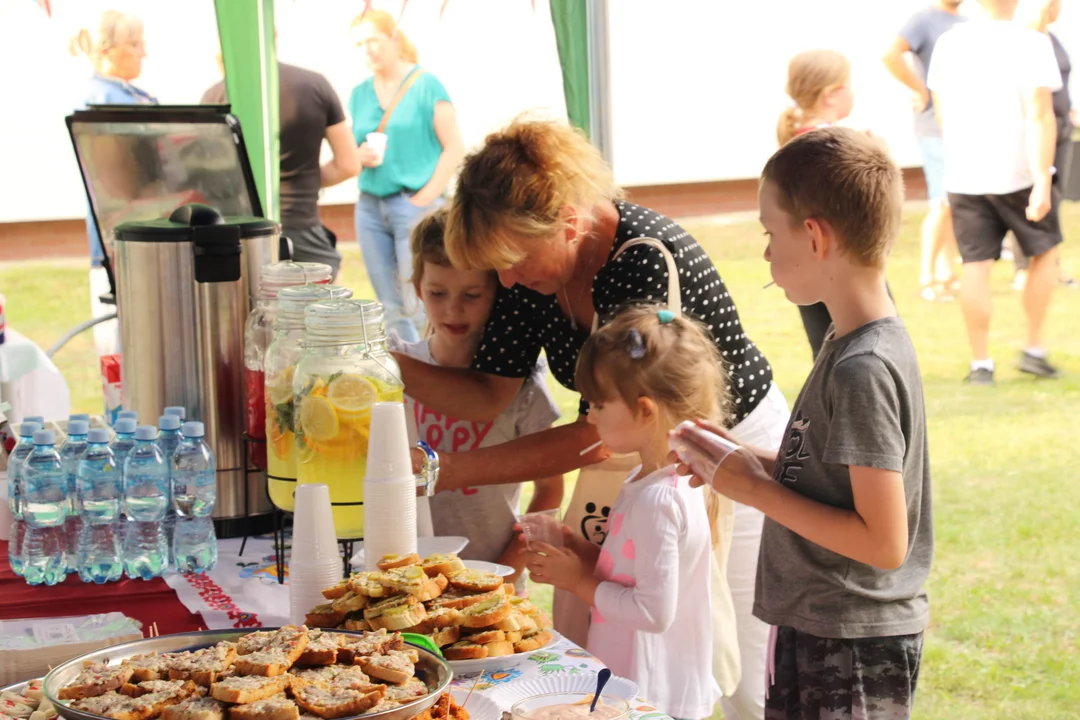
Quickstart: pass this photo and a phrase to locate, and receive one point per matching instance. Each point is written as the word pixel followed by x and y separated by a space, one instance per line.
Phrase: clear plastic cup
pixel 388 455
pixel 570 706
pixel 544 526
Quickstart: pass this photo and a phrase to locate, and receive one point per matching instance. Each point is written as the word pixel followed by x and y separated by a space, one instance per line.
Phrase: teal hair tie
pixel 666 316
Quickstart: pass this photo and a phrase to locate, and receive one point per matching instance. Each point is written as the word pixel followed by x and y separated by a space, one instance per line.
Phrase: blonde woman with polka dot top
pixel 537 203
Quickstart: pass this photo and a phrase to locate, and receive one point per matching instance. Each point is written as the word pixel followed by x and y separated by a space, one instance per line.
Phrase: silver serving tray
pixel 432 669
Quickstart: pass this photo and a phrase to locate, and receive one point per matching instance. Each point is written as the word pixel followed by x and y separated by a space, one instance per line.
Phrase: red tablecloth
pixel 146 601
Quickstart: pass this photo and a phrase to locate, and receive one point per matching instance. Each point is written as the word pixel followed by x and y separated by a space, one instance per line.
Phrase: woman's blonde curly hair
pixel 515 192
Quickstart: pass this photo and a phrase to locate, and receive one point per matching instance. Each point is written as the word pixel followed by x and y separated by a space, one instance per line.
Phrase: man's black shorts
pixel 981 221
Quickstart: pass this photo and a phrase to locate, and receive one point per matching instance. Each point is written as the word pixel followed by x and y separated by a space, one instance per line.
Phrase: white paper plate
pixel 480 707
pixel 504 662
pixel 508 694
pixel 424 546
pixel 484 566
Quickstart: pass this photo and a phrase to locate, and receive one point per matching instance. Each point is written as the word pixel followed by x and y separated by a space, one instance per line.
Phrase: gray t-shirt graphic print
pixel 862 405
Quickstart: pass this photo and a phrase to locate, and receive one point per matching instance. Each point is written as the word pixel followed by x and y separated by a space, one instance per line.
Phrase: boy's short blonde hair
pixel 848 180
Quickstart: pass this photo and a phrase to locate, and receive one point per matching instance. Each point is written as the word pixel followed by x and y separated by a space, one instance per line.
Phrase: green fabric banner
pixel 246 30
pixel 570 18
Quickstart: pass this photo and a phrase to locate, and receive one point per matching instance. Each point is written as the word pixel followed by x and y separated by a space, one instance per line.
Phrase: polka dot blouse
pixel 524 322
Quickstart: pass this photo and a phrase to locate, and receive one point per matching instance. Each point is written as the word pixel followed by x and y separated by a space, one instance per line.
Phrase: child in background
pixel 649 583
pixel 458 303
pixel 848 536
pixel 819 85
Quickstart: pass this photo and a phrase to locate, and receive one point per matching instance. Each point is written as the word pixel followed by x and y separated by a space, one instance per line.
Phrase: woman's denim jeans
pixel 383 226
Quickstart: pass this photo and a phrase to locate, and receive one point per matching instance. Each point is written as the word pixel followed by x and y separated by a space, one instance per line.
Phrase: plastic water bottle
pixel 124 440
pixel 16 491
pixel 168 440
pixel 194 477
pixel 146 495
pixel 177 410
pixel 70 451
pixel 45 509
pixel 100 492
pixel 128 414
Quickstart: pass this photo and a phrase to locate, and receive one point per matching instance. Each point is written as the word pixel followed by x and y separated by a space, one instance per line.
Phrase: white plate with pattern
pixel 479 707
pixel 503 662
pixel 506 695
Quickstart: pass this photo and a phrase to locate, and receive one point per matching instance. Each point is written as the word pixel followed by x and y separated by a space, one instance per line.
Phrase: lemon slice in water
pixel 352 395
pixel 318 419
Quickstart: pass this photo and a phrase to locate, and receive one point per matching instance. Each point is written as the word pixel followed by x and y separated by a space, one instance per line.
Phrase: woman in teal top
pixel 422 150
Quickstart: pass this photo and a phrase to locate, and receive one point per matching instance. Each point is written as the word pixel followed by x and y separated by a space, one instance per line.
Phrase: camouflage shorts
pixel 843 679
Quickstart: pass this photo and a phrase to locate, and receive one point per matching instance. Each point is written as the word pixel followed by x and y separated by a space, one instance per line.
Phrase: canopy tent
pixel 246 32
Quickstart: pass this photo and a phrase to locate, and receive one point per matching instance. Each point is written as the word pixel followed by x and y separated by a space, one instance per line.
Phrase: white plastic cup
pixel 389 487
pixel 377 142
pixel 313 527
pixel 306 583
pixel 389 520
pixel 388 445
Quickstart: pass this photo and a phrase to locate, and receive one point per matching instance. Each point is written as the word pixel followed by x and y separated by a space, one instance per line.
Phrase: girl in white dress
pixel 649 583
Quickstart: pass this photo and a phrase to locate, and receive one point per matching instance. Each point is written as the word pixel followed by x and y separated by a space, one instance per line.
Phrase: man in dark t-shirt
pixel 309 111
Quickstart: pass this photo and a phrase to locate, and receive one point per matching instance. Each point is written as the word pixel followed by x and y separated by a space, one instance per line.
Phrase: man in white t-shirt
pixel 992 81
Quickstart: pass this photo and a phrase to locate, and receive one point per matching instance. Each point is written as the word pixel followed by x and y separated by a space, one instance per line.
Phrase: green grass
pixel 1005 588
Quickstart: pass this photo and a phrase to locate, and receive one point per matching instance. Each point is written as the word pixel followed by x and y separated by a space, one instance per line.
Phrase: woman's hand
pixel 560 567
pixel 368 157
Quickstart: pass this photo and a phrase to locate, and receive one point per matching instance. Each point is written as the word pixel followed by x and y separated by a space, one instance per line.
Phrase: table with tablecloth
pixel 243 592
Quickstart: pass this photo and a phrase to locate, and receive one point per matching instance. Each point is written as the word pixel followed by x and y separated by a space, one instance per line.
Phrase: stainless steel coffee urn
pixel 184 287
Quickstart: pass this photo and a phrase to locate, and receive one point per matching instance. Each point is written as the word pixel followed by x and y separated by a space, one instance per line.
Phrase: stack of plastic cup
pixel 389 487
pixel 315 563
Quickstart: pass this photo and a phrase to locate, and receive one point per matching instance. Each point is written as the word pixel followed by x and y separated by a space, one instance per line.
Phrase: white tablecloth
pixel 30 381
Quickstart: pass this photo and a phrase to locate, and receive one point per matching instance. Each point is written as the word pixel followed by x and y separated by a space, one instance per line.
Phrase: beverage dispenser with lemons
pixel 344 368
pixel 280 367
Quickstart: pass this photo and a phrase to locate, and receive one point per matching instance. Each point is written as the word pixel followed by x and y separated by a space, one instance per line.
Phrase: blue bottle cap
pixel 169 422
pixel 128 414
pixel 125 425
pixel 193 430
pixel 27 429
pixel 177 410
pixel 79 416
pixel 44 437
pixel 99 435
pixel 146 432
pixel 35 419
pixel 78 427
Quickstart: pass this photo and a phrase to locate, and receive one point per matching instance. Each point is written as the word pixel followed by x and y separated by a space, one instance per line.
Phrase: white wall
pixel 697 85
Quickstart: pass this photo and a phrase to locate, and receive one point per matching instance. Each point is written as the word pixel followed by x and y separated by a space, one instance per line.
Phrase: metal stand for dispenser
pixel 278 514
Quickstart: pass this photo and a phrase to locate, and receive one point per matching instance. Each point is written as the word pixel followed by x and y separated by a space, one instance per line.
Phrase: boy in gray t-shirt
pixel 848 535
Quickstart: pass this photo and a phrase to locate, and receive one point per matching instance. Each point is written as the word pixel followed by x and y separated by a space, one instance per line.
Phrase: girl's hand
pixel 550 565
pixel 367 156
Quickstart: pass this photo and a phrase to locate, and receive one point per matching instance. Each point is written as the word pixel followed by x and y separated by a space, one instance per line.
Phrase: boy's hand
pixel 730 469
pixel 550 565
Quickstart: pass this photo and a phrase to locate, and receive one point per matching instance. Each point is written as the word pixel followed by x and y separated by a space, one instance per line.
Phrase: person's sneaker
pixel 1069 282
pixel 980 376
pixel 1019 280
pixel 1037 366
